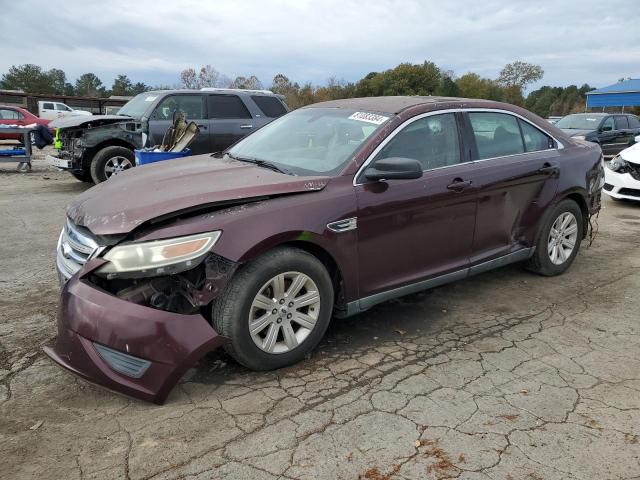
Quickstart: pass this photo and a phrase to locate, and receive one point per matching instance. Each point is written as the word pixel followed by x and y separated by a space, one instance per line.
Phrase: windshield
pixel 139 104
pixel 582 121
pixel 310 141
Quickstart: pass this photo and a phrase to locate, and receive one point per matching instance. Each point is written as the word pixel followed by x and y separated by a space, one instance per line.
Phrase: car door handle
pixel 458 185
pixel 201 127
pixel 246 127
pixel 547 168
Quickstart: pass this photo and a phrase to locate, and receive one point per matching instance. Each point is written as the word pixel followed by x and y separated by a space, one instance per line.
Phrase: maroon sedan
pixel 324 212
pixel 10 115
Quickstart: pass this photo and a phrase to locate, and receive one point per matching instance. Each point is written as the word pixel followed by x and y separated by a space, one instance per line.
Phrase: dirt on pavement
pixel 506 375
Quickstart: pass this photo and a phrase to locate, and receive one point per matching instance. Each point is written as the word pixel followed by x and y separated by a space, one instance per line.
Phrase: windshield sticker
pixel 369 117
pixel 150 98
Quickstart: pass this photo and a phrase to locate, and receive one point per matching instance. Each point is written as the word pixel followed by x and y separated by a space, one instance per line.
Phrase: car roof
pixel 389 104
pixel 220 91
pixel 593 114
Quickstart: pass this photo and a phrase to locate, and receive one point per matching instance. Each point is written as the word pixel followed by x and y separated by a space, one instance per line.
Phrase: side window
pixel 6 114
pixel 496 134
pixel 270 106
pixel 633 121
pixel 47 106
pixel 433 141
pixel 621 122
pixel 191 105
pixel 62 107
pixel 534 139
pixel 227 106
pixel 607 125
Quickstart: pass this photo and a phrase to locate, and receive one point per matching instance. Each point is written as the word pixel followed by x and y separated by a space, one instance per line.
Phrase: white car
pixel 622 177
pixel 53 110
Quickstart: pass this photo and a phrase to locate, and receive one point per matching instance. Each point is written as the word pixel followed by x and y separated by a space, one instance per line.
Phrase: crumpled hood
pixel 631 154
pixel 143 193
pixel 84 120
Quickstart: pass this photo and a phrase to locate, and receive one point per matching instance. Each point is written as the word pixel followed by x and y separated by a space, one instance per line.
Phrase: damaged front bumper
pixel 124 346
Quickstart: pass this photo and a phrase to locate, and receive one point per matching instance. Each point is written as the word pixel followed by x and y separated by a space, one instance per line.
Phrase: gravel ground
pixel 506 375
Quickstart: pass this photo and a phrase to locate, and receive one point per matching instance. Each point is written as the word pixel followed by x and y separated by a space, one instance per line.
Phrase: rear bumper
pixel 166 343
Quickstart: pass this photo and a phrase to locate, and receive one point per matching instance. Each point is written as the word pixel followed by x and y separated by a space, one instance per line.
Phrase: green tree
pixel 139 87
pixel 88 84
pixel 31 79
pixel 122 86
pixel 520 74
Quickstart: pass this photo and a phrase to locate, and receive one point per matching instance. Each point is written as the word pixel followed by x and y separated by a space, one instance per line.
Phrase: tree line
pixel 405 79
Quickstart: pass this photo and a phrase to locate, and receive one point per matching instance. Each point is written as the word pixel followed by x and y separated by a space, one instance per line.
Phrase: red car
pixel 325 211
pixel 10 115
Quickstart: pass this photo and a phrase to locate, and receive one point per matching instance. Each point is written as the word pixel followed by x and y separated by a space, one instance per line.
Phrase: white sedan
pixel 622 177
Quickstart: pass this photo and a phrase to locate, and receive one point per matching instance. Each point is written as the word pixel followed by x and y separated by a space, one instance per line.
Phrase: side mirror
pixel 606 128
pixel 394 168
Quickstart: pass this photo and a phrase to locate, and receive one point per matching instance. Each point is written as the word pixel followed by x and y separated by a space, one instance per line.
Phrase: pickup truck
pixel 51 110
pixel 95 148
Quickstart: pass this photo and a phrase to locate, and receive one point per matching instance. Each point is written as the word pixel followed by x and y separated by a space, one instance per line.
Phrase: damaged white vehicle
pixel 622 177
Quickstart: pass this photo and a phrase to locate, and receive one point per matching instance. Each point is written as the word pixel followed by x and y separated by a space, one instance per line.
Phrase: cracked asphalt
pixel 506 375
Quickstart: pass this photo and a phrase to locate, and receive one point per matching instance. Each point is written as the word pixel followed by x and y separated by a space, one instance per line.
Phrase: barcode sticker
pixel 369 117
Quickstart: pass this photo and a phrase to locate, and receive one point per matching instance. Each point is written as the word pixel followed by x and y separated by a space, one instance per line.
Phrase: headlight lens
pixel 579 137
pixel 159 257
pixel 617 164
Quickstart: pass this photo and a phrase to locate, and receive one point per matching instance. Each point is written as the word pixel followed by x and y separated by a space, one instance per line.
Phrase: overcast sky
pixel 576 42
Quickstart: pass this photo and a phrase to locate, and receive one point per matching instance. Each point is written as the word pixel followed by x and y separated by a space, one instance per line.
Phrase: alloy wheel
pixel 284 312
pixel 562 238
pixel 116 165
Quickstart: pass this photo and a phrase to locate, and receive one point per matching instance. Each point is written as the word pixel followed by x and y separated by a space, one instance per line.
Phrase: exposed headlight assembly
pixel 618 164
pixel 158 257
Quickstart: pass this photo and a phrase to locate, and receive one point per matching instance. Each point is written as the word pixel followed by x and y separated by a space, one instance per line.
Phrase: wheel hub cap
pixel 116 165
pixel 562 238
pixel 284 312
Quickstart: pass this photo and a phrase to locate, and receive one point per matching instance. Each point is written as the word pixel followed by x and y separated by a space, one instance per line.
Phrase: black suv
pixel 94 148
pixel 613 132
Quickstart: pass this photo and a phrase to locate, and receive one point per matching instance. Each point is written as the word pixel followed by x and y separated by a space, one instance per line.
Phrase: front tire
pixel 111 161
pixel 558 240
pixel 83 177
pixel 276 309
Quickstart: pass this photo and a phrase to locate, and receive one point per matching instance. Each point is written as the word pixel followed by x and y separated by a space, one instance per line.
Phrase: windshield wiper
pixel 261 163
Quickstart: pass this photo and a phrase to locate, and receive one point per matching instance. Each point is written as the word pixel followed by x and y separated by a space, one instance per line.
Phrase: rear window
pixel 496 134
pixel 270 106
pixel 227 106
pixel 622 123
pixel 534 139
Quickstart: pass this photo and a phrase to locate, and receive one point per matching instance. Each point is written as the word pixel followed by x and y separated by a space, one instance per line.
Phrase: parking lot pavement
pixel 506 375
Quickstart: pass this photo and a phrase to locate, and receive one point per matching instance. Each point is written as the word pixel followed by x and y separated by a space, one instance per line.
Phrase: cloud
pixel 576 42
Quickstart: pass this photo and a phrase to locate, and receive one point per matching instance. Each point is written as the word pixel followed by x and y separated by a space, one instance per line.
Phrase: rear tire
pixel 558 240
pixel 259 309
pixel 111 161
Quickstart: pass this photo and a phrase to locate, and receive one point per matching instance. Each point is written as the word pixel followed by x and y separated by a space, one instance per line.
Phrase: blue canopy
pixel 621 94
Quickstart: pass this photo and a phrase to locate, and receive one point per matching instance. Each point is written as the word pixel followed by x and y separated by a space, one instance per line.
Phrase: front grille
pixel 634 170
pixel 630 192
pixel 76 246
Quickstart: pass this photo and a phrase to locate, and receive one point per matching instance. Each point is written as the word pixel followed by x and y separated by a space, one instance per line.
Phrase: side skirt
pixel 362 304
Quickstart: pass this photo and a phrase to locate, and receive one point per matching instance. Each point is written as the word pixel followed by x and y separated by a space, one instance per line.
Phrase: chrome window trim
pixel 409 121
